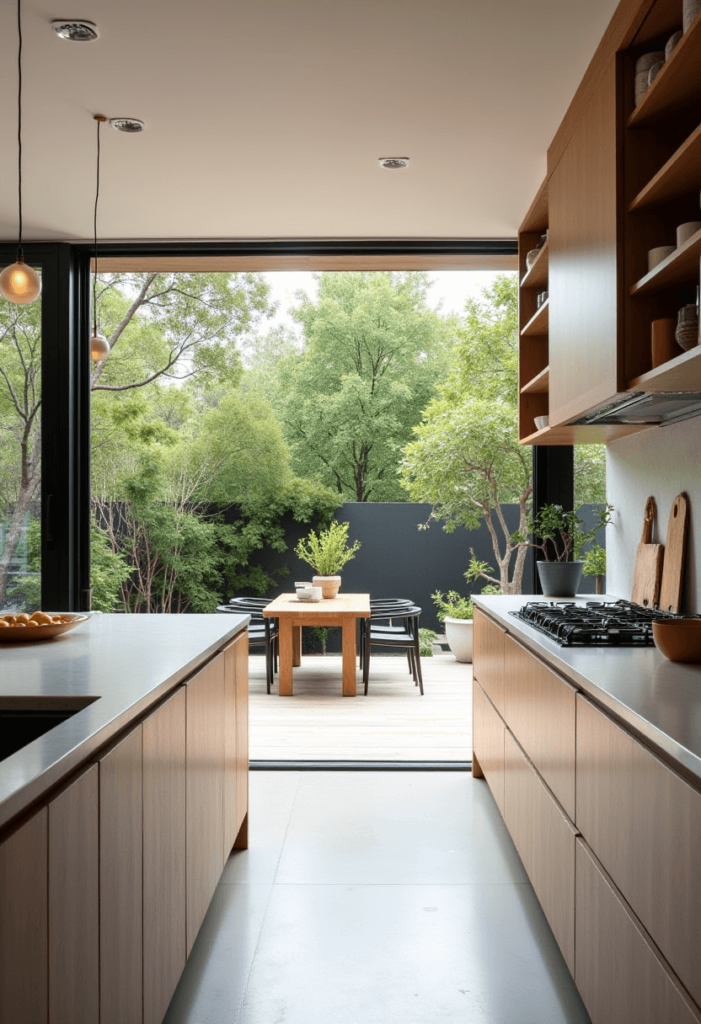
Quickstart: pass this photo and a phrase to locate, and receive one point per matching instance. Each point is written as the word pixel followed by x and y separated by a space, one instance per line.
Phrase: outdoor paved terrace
pixel 393 723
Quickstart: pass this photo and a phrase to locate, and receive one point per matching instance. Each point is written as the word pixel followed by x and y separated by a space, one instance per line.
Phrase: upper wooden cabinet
pixel 621 178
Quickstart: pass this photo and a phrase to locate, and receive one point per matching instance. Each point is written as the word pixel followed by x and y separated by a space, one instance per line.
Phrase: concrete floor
pixel 393 723
pixel 375 898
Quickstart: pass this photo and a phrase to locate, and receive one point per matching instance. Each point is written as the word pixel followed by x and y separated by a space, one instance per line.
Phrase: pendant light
pixel 99 346
pixel 19 283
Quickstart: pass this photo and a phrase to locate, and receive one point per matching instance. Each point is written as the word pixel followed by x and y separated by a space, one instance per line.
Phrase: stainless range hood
pixel 663 408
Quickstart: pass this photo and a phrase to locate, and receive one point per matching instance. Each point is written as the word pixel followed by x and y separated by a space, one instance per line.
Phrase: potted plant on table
pixel 456 612
pixel 327 552
pixel 560 537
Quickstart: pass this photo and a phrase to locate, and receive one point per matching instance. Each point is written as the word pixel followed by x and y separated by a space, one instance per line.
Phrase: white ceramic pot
pixel 458 633
pixel 329 585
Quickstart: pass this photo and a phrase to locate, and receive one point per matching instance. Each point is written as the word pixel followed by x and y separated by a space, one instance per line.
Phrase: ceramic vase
pixel 458 633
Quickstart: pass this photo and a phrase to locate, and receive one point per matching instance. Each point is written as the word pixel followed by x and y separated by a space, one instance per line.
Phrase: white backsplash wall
pixel 662 462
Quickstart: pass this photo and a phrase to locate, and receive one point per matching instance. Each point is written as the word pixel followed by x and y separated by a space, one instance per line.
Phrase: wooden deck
pixel 393 723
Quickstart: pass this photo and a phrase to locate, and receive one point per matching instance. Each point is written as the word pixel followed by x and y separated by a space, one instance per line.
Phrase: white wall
pixel 660 462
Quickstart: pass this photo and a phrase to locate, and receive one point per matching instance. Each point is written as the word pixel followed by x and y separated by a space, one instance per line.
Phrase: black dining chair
pixel 386 613
pixel 262 632
pixel 408 640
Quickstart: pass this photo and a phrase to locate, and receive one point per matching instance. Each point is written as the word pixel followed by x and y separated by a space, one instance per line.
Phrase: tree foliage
pixel 373 353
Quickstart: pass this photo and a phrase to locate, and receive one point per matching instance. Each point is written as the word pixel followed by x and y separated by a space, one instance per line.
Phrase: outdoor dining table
pixel 343 610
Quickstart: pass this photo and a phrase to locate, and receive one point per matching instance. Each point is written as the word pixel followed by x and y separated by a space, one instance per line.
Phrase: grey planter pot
pixel 560 579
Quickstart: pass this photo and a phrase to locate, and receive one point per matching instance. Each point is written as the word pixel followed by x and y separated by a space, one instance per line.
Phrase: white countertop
pixel 658 699
pixel 127 662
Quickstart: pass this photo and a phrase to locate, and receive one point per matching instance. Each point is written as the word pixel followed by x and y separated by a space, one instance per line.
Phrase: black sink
pixel 19 725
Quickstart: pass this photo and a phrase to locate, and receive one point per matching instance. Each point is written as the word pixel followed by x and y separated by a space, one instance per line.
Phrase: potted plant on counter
pixel 456 612
pixel 560 537
pixel 327 552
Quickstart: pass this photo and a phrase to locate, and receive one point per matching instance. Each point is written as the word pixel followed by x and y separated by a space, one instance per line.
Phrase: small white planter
pixel 458 633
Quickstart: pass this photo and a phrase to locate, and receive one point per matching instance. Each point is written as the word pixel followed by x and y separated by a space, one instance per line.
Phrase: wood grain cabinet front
pixel 24 967
pixel 164 925
pixel 206 714
pixel 488 658
pixel 540 710
pixel 121 867
pixel 643 822
pixel 488 738
pixel 544 838
pixel 619 974
pixel 235 739
pixel 74 933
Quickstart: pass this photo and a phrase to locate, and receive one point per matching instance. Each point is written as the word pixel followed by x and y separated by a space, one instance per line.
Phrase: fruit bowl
pixel 22 632
pixel 678 639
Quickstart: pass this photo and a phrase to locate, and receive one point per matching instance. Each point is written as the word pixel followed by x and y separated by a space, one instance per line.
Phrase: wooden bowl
pixel 27 634
pixel 678 639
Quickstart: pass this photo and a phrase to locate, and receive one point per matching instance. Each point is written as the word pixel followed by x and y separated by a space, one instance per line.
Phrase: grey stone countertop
pixel 123 664
pixel 660 700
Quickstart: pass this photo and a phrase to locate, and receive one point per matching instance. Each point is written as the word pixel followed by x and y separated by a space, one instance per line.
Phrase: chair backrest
pixel 253 602
pixel 378 601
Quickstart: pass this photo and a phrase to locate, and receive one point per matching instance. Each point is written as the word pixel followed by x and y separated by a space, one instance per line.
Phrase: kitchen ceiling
pixel 266 118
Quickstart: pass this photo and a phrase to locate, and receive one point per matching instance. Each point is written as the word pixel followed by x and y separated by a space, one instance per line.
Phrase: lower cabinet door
pixel 488 658
pixel 121 844
pixel 205 695
pixel 488 742
pixel 545 840
pixel 620 976
pixel 74 932
pixel 164 854
pixel 24 969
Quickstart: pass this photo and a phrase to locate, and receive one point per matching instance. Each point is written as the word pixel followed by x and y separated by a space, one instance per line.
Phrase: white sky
pixel 450 289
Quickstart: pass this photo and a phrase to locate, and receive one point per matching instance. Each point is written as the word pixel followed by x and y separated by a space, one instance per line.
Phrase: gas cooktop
pixel 594 624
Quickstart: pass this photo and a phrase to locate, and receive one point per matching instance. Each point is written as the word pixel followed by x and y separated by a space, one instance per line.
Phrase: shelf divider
pixel 538 273
pixel 538 324
pixel 679 268
pixel 680 174
pixel 539 385
pixel 683 373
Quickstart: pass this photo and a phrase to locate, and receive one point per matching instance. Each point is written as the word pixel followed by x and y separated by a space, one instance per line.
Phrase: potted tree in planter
pixel 327 552
pixel 456 613
pixel 559 536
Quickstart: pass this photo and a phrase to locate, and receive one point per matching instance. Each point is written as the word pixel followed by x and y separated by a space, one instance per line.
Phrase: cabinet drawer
pixel 545 840
pixel 488 732
pixel 643 822
pixel 618 973
pixel 488 658
pixel 540 710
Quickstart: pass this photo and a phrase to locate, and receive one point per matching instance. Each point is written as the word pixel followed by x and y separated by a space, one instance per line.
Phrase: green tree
pixel 373 354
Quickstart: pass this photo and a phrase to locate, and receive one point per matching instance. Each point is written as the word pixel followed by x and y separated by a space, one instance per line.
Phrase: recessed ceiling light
pixel 394 163
pixel 130 125
pixel 76 31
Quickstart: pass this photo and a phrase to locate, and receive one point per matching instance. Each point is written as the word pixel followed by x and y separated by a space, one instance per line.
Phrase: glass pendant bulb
pixel 99 347
pixel 19 283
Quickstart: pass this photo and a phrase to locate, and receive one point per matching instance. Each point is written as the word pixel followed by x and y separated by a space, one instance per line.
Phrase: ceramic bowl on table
pixel 311 594
pixel 678 639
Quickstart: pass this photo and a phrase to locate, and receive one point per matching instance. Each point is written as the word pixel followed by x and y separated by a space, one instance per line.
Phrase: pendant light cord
pixel 20 252
pixel 97 196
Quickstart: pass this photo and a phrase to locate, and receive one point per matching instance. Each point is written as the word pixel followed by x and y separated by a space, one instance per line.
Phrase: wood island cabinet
pixel 164 927
pixel 104 887
pixel 489 746
pixel 24 928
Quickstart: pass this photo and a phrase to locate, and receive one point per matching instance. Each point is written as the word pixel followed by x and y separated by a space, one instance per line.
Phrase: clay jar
pixel 664 345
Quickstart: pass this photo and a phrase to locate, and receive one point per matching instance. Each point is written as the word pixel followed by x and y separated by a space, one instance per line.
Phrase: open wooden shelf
pixel 539 385
pixel 677 82
pixel 574 433
pixel 682 267
pixel 537 276
pixel 538 324
pixel 683 373
pixel 680 174
pixel 537 217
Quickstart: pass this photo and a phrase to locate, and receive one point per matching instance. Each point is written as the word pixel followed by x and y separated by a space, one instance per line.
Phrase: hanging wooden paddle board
pixel 675 556
pixel 648 563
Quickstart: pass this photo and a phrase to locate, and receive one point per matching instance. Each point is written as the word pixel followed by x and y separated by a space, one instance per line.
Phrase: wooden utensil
pixel 675 556
pixel 648 563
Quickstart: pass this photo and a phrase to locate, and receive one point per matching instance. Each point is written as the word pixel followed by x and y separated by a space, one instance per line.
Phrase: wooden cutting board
pixel 648 563
pixel 675 556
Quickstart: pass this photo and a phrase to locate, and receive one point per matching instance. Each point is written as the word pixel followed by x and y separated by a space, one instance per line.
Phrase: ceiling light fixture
pixel 99 346
pixel 394 163
pixel 19 283
pixel 76 31
pixel 130 125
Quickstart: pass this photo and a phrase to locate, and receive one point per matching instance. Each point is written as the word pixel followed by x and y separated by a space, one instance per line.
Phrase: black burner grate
pixel 594 624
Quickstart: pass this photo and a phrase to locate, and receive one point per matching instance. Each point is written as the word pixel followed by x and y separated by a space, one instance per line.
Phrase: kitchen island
pixel 132 802
pixel 593 756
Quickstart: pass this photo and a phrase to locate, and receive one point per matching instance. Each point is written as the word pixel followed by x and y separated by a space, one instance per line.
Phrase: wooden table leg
pixel 349 658
pixel 285 679
pixel 296 646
